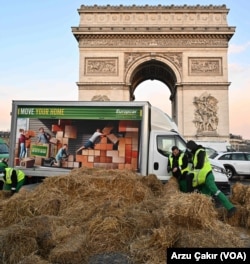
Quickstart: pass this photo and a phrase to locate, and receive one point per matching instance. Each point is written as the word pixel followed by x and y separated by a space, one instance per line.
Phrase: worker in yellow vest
pixel 201 176
pixel 13 179
pixel 178 165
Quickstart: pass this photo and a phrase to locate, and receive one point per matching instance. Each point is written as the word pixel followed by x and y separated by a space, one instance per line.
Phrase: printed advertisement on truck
pixel 117 146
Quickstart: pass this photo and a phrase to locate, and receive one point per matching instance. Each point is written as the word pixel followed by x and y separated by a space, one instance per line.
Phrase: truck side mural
pixel 117 149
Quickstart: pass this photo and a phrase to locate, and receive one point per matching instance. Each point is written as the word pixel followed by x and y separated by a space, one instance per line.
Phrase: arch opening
pixel 155 92
pixel 155 82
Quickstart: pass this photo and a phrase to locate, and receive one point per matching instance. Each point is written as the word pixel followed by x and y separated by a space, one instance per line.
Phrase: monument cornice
pixel 156 30
pixel 162 8
pixel 153 35
pixel 153 40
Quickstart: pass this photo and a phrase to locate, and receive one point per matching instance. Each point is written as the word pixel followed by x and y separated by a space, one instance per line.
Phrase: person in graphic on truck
pixel 13 179
pixel 178 165
pixel 61 155
pixel 91 141
pixel 43 137
pixel 22 140
pixel 201 177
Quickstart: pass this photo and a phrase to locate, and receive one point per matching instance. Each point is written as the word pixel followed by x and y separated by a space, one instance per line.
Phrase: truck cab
pixel 160 148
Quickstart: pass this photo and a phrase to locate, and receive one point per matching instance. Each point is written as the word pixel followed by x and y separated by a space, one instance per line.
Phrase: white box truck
pixel 138 137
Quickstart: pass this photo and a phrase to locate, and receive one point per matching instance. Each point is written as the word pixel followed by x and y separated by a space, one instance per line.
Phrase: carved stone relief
pixel 174 57
pixel 100 98
pixel 205 115
pixel 152 15
pixel 205 66
pixel 152 42
pixel 101 66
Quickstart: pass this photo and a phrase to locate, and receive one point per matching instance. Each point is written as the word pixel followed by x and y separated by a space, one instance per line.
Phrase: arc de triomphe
pixel 184 47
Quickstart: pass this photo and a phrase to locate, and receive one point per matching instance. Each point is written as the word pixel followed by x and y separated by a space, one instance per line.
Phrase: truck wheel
pixel 229 172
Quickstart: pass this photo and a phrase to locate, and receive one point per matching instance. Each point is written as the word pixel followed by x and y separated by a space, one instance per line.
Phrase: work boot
pixel 231 212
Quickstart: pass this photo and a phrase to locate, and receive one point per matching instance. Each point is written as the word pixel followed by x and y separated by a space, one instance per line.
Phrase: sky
pixel 39 56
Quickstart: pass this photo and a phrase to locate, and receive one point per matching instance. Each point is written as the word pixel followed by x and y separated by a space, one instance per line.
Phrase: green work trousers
pixel 209 188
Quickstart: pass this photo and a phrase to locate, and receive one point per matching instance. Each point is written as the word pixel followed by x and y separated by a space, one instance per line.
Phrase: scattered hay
pixel 220 235
pixel 33 258
pixel 94 214
pixel 152 248
pixel 16 242
pixel 71 251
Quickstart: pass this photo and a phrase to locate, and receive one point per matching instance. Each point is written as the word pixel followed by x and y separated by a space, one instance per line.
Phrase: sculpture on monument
pixel 206 119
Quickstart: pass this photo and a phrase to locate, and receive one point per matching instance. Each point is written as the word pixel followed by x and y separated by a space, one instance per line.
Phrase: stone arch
pixel 153 67
pixel 185 47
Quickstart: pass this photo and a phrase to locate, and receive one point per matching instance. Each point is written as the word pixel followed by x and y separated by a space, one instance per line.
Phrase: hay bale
pixel 16 242
pixel 108 234
pixel 153 183
pixel 29 204
pixel 190 210
pixel 44 227
pixel 4 195
pixel 220 235
pixel 171 187
pixel 239 219
pixel 143 218
pixel 238 193
pixel 152 248
pixel 71 251
pixel 247 198
pixel 31 259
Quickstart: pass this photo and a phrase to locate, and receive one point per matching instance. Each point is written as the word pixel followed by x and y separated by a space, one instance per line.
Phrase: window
pixel 248 156
pixel 225 157
pixel 238 156
pixel 165 144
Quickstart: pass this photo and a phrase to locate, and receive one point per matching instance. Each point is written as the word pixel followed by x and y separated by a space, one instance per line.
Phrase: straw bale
pixel 21 205
pixel 219 235
pixel 108 234
pixel 33 258
pixel 71 251
pixel 16 242
pixel 146 216
pixel 171 187
pixel 152 248
pixel 247 198
pixel 248 221
pixel 238 193
pixel 191 209
pixel 4 195
pixel 152 182
pixel 238 219
pixel 44 227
